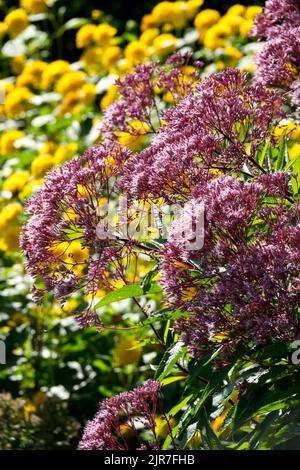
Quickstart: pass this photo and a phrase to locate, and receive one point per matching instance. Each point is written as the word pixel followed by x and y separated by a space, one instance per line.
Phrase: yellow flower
pixel 295 134
pixel 294 151
pixel 9 240
pixel 217 36
pixel 252 12
pixel 69 306
pixel 167 28
pixel 110 56
pixel 17 64
pixel 34 6
pixel 65 152
pixel 92 58
pixel 82 192
pixel 71 252
pixel 77 252
pixel 248 67
pixel 32 74
pixel 27 80
pixel 290 129
pixel 16 21
pixel 109 97
pixel 148 21
pixel 104 34
pixel 48 147
pixel 220 65
pixel 71 103
pixel 233 52
pixel 135 139
pixel 29 410
pixel 162 12
pixel 7 87
pixel 164 44
pixel 163 427
pixel 85 35
pixel 216 424
pixel 136 52
pixel 17 319
pixel 36 68
pixel 232 22
pixel 127 351
pixel 41 165
pixel 3 30
pixel 206 18
pixel 196 441
pixel 53 71
pixel 96 14
pixel 293 70
pixel 124 66
pixel 74 101
pixel 70 81
pixel 16 181
pixel 17 101
pixel 30 188
pixel 88 93
pixel 179 17
pixel 148 36
pixel 236 10
pixel 192 6
pixel 245 27
pixel 9 215
pixel 8 140
pixel 175 13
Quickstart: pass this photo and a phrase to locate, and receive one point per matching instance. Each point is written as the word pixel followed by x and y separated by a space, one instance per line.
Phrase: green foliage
pixel 39 424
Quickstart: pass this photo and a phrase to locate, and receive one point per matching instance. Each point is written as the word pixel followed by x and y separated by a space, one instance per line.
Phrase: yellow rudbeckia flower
pixel 16 21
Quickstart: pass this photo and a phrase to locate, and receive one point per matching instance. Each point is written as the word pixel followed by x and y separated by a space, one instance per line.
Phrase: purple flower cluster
pixel 137 101
pixel 243 286
pixel 278 62
pixel 127 413
pixel 139 97
pixel 219 126
pixel 65 214
pixel 277 17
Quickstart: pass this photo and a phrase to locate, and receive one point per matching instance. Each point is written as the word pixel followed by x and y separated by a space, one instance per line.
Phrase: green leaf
pixel 272 392
pixel 296 170
pixel 73 23
pixel 188 415
pixel 210 440
pixel 163 315
pixel 196 367
pixel 262 430
pixel 282 157
pixel 171 356
pixel 147 280
pixel 179 406
pixel 188 435
pixel 293 163
pixel 37 17
pixel 174 378
pixel 200 398
pixel 126 292
pixel 264 151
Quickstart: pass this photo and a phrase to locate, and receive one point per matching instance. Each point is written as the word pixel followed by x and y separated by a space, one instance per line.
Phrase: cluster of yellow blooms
pixel 215 30
pixel 159 35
